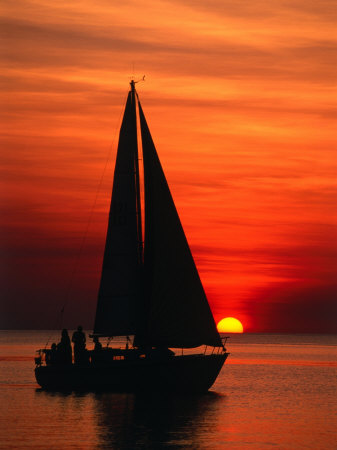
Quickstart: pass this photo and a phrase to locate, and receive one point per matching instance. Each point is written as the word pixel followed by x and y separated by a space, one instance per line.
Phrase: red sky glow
pixel 240 98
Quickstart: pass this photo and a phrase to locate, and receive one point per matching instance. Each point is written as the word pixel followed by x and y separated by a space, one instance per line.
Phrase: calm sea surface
pixel 275 391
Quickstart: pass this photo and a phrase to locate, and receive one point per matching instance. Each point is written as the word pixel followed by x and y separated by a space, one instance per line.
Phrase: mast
pixel 137 180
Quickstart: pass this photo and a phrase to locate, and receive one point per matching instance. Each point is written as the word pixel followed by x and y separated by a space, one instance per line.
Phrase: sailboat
pixel 149 289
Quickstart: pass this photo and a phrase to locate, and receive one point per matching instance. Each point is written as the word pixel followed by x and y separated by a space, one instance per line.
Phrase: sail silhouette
pixel 158 295
pixel 151 289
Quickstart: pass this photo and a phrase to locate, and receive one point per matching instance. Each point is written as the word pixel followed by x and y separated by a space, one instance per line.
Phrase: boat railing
pixel 224 341
pixel 44 356
pixel 40 356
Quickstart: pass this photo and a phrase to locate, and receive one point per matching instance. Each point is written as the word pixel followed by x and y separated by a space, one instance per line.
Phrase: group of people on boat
pixel 61 353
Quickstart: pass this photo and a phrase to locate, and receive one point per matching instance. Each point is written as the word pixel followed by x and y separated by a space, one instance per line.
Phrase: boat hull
pixel 185 373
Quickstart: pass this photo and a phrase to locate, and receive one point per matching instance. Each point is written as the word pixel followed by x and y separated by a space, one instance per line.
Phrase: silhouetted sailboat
pixel 150 290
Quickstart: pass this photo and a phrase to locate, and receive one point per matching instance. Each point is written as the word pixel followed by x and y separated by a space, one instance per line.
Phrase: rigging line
pixel 79 254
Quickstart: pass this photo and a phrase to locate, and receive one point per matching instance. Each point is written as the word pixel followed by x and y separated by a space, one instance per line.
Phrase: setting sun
pixel 230 325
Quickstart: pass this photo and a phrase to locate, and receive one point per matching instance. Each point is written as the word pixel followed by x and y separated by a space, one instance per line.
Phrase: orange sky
pixel 240 100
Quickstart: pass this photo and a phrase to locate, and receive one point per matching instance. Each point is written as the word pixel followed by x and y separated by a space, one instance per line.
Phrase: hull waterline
pixel 189 373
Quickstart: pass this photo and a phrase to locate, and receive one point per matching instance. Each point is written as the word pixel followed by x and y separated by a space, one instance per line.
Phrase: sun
pixel 230 325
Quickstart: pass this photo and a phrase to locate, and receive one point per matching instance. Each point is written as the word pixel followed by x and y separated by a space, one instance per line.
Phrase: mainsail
pixel 155 293
pixel 119 293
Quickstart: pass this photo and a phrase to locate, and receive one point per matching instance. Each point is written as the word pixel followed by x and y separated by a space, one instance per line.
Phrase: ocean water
pixel 275 391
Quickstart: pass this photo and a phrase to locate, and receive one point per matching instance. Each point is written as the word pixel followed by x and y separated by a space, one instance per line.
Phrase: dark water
pixel 275 391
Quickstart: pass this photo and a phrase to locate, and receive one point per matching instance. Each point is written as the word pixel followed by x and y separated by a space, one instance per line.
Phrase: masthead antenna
pixel 133 82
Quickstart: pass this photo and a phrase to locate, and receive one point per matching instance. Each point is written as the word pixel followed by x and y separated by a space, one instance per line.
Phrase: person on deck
pixel 80 352
pixel 64 348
